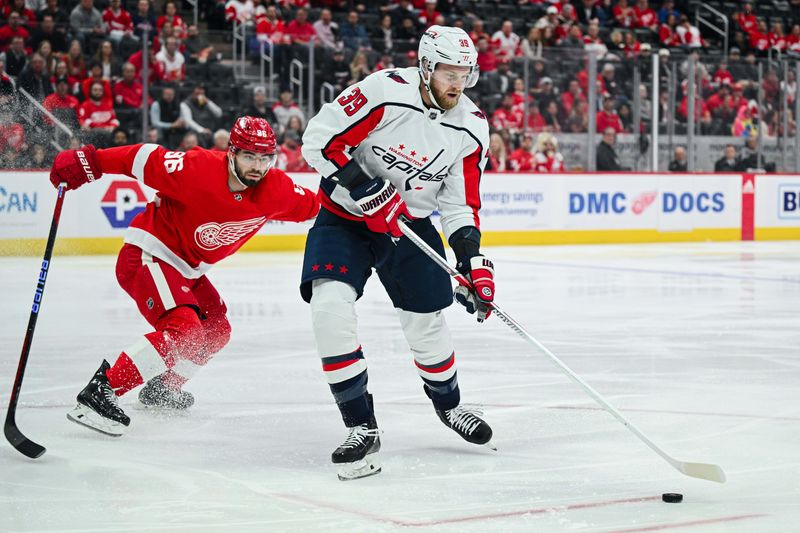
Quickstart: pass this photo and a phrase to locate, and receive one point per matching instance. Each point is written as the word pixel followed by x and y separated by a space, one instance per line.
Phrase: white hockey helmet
pixel 448 45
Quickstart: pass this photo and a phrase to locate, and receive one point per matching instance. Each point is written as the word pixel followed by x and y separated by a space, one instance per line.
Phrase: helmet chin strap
pixel 232 168
pixel 430 92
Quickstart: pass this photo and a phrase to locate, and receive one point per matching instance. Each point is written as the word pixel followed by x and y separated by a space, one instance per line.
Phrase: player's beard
pixel 445 101
pixel 245 181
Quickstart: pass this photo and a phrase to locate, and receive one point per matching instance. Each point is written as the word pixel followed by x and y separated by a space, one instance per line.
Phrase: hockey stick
pixel 710 472
pixel 23 444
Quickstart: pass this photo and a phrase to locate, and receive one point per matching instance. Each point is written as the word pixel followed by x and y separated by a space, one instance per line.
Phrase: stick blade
pixel 23 444
pixel 704 471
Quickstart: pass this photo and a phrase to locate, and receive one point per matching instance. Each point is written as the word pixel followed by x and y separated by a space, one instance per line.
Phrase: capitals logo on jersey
pixel 122 201
pixel 394 75
pixel 212 235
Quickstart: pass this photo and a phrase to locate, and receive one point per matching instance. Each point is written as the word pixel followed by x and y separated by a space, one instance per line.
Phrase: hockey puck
pixel 672 497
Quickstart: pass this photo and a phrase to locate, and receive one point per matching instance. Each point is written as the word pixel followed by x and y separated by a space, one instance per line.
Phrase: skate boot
pixel 357 457
pixel 467 422
pixel 158 394
pixel 98 408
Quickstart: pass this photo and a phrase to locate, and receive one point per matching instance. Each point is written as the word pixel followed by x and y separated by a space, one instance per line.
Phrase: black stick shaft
pixel 37 303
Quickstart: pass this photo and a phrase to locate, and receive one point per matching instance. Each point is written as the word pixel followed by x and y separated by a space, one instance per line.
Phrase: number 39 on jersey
pixel 352 102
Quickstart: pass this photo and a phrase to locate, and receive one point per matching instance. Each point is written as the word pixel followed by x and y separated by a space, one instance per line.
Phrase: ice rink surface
pixel 698 344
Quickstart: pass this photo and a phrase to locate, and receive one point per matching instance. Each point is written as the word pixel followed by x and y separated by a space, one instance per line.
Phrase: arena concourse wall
pixel 517 209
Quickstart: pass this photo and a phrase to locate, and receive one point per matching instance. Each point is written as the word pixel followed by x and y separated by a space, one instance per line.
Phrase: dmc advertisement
pixel 667 202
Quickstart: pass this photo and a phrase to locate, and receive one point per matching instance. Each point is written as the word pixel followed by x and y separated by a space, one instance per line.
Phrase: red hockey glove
pixel 478 298
pixel 382 206
pixel 75 167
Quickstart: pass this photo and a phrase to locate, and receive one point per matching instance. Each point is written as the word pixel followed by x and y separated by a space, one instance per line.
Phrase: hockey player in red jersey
pixel 400 142
pixel 208 205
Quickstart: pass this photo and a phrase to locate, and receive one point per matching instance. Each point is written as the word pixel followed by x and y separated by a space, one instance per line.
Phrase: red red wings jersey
pixel 548 163
pixel 118 21
pixel 195 221
pixel 100 115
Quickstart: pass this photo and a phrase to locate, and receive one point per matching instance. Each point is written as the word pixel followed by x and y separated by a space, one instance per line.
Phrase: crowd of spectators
pixel 83 61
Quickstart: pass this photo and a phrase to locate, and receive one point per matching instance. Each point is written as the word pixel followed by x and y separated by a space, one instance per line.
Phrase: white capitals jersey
pixel 434 159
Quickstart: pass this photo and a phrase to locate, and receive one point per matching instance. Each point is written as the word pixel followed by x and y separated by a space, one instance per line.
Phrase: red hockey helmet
pixel 252 134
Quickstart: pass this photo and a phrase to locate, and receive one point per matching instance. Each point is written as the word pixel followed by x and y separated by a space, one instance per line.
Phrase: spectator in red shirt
pixel 778 39
pixel 507 116
pixel 428 15
pixel 722 76
pixel 487 60
pixel 171 18
pixel 157 72
pixel 608 118
pixel 747 20
pixel 667 34
pixel 27 16
pixel 13 29
pixel 96 117
pixel 520 94
pixel 521 159
pixel 631 46
pixel 128 92
pixel 61 104
pixel 270 27
pixel 96 75
pixel 536 121
pixel 119 24
pixel 290 157
pixel 300 31
pixel 572 95
pixel 759 38
pixel 623 14
pixel 644 16
pixel 793 40
pixel 547 158
pixel 12 144
pixel 718 99
pixel 477 31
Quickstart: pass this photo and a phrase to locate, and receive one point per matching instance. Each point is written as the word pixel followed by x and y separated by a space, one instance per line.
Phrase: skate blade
pixel 490 445
pixel 88 418
pixel 368 466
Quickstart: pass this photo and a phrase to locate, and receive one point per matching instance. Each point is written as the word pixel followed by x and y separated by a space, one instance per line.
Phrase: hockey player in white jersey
pixel 402 142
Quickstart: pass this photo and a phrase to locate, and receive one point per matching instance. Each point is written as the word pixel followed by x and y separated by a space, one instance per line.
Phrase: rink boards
pixel 516 209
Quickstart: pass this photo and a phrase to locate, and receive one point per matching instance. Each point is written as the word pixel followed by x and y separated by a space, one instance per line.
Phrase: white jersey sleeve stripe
pixel 140 160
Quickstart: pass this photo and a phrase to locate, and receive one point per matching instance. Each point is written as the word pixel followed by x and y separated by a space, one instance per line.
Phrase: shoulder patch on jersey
pixel 479 114
pixel 394 75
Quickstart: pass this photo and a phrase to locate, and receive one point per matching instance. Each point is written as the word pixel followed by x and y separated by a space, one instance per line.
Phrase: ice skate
pixel 357 457
pixel 158 394
pixel 467 422
pixel 98 408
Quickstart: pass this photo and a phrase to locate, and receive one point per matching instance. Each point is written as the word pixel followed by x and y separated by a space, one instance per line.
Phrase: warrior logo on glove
pixel 477 298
